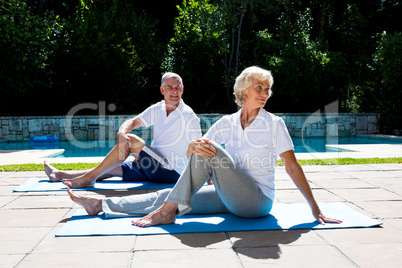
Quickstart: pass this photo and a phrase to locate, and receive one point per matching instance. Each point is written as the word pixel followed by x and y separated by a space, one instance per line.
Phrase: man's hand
pixel 202 147
pixel 123 142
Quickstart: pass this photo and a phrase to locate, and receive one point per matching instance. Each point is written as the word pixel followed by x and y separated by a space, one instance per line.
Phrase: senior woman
pixel 242 174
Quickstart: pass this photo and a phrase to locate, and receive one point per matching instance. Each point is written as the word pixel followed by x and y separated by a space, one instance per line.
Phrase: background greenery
pixel 55 54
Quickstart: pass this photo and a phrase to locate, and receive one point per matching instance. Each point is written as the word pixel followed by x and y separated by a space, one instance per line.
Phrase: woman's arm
pixel 201 147
pixel 295 171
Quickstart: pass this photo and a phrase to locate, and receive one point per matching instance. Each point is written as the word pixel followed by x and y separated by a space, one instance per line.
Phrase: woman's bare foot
pixel 92 205
pixel 165 214
pixel 51 172
pixel 79 182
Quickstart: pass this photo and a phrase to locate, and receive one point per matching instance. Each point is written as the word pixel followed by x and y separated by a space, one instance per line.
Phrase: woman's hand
pixel 123 142
pixel 202 147
pixel 321 218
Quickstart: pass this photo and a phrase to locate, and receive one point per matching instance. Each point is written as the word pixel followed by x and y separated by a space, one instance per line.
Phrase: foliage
pixel 195 53
pixel 388 63
pixel 25 50
pixel 102 51
pixel 116 51
pixel 300 65
pixel 319 51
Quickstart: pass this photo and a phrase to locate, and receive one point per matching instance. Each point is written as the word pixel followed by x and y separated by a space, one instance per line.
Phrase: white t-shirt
pixel 256 148
pixel 172 133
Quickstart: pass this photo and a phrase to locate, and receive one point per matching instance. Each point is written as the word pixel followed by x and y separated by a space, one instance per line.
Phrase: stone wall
pixel 83 128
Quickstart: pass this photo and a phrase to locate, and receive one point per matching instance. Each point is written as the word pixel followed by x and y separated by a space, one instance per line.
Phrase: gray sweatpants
pixel 233 191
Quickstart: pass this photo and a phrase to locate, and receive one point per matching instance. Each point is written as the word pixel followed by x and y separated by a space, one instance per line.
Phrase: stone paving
pixel 29 222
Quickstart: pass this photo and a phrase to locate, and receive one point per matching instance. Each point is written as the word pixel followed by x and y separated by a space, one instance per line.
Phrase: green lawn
pixel 329 161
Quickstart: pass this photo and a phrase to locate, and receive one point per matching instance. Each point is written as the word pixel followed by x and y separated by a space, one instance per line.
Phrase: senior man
pixel 175 125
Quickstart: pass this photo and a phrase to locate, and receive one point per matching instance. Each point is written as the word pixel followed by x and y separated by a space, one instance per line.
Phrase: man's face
pixel 172 91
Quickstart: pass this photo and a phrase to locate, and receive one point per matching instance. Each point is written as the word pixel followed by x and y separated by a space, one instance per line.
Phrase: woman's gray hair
pixel 244 81
pixel 170 75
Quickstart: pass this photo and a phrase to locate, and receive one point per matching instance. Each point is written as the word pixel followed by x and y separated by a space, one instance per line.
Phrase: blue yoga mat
pixel 44 185
pixel 283 217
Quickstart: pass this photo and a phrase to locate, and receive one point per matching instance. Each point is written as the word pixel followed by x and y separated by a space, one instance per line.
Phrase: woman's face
pixel 257 94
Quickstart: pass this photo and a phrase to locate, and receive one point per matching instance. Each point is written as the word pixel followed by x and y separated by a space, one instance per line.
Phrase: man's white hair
pixel 170 75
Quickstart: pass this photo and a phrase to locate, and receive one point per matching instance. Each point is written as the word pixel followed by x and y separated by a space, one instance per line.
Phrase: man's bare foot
pixel 79 182
pixel 51 172
pixel 92 205
pixel 165 214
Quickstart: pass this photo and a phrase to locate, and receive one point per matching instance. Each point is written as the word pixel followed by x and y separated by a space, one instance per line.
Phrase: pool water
pixel 101 148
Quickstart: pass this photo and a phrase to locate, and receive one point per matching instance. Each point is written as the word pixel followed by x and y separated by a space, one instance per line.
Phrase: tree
pixel 300 65
pixel 195 53
pixel 25 50
pixel 388 93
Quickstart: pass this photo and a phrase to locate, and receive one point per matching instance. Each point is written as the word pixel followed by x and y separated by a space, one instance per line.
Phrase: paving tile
pixel 51 244
pixel 354 168
pixel 396 190
pixel 397 173
pixel 370 174
pixel 98 260
pixel 340 183
pixel 314 169
pixel 279 176
pixel 31 217
pixel 275 238
pixel 382 209
pixel 328 175
pixel 186 258
pixel 293 256
pixel 182 241
pixel 366 247
pixel 295 196
pixel 12 181
pixel 365 194
pixel 386 166
pixel 8 261
pixel 394 222
pixel 386 233
pixel 374 255
pixel 385 182
pixel 8 190
pixel 52 202
pixel 359 209
pixel 5 199
pixel 285 185
pixel 27 174
pixel 20 240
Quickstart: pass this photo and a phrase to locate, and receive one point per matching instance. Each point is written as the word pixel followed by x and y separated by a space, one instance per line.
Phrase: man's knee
pixel 136 142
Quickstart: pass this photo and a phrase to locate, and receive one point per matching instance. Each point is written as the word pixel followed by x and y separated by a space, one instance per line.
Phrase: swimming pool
pixel 101 148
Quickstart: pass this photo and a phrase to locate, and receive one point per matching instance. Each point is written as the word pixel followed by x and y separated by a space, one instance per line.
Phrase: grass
pixel 39 167
pixel 303 162
pixel 347 161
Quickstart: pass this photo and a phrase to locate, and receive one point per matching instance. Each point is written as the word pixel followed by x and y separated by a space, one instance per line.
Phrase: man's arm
pixel 123 141
pixel 131 124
